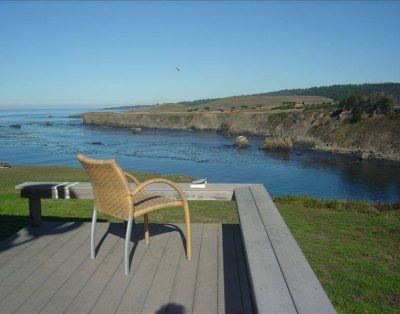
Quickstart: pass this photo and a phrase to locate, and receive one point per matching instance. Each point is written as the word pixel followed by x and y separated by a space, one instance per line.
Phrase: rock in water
pixel 241 142
pixel 363 155
pixel 5 165
pixel 136 130
pixel 15 126
pixel 277 142
pixel 97 143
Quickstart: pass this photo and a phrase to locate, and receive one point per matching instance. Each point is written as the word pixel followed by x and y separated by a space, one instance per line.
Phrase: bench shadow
pixel 237 290
pixel 13 228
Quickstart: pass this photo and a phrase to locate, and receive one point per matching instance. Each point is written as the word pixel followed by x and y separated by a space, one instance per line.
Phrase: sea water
pixel 50 137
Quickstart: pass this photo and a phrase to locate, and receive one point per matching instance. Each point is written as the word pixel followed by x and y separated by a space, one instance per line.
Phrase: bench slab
pixel 83 190
pixel 281 277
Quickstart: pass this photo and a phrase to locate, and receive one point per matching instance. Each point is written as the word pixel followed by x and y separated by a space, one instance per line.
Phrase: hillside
pixel 300 114
pixel 372 137
pixel 266 101
pixel 253 103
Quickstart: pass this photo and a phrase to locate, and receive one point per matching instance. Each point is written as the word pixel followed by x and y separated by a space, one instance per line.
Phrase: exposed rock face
pixel 277 142
pixel 5 165
pixel 241 142
pixel 378 136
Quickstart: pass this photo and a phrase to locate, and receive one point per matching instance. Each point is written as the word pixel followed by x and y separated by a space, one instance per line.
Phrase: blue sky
pixel 57 54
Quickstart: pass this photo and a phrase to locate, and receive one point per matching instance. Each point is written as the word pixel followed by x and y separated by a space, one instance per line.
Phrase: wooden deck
pixel 49 270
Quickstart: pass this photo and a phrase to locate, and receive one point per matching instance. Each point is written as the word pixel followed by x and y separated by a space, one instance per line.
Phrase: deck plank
pixel 112 294
pixel 13 300
pixel 158 296
pixel 182 295
pixel 93 288
pixel 135 295
pixel 28 247
pixel 65 279
pixel 304 286
pixel 40 297
pixel 30 238
pixel 16 277
pixel 271 294
pixel 60 301
pixel 206 293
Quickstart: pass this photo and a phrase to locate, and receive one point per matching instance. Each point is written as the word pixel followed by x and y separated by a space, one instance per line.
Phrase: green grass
pixel 353 247
pixel 276 118
pixel 284 106
pixel 325 106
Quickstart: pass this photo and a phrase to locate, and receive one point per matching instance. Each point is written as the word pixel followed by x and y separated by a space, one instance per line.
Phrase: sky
pixel 96 54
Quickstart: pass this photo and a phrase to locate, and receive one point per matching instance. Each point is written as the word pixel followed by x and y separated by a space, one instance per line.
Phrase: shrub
pixel 376 102
pixel 357 113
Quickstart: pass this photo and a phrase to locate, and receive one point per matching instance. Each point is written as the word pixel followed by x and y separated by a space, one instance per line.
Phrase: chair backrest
pixel 110 187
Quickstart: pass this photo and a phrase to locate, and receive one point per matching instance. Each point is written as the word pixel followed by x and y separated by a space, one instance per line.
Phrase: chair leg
pixel 127 242
pixel 92 234
pixel 146 228
pixel 187 231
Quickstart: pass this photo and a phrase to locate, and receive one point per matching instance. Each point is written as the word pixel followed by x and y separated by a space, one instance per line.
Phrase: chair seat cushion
pixel 147 202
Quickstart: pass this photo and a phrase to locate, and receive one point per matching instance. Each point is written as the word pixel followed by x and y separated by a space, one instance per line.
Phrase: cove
pixel 49 137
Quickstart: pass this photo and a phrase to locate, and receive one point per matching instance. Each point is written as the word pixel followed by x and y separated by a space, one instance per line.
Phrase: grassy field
pixel 354 248
pixel 250 102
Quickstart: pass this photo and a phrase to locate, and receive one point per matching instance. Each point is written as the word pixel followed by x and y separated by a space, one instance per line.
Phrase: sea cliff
pixel 372 137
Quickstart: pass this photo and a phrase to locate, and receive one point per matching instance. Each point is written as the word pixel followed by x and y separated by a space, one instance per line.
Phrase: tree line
pixel 340 92
pixel 374 103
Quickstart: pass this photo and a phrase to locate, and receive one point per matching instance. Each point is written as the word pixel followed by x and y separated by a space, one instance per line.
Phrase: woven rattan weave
pixel 113 196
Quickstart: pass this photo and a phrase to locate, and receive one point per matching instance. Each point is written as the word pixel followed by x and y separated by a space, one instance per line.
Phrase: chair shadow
pixel 119 230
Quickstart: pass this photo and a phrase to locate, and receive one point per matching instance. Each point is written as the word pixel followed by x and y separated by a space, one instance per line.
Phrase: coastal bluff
pixel 376 137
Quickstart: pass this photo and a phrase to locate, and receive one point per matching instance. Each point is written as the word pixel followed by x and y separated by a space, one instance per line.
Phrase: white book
pixel 201 183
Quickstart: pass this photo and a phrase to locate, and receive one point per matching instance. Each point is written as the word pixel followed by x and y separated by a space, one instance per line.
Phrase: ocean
pixel 50 137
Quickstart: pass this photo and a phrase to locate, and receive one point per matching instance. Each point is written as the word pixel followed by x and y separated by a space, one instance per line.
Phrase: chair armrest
pixel 141 186
pixel 127 174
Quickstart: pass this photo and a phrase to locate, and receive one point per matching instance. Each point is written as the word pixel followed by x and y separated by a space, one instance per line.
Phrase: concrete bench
pixel 35 191
pixel 282 280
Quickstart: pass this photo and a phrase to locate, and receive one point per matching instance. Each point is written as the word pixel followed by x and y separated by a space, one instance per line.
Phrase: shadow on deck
pixel 49 270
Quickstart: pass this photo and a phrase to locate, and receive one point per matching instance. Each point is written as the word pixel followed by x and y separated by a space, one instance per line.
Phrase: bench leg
pixel 35 212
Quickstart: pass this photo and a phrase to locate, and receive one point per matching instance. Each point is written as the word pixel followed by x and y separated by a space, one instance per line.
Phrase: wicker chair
pixel 113 196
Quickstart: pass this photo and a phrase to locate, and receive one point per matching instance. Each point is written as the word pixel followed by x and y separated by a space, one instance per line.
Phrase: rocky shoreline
pixel 374 137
